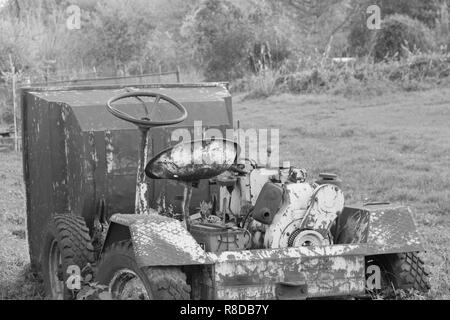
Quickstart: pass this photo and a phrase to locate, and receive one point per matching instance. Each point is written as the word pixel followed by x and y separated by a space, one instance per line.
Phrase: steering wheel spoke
pixel 157 98
pixel 146 122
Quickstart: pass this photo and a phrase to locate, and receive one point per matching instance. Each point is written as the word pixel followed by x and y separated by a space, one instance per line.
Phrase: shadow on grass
pixel 28 285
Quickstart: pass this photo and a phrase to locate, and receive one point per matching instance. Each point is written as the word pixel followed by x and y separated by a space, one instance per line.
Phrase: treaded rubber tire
pixel 161 283
pixel 408 271
pixel 74 244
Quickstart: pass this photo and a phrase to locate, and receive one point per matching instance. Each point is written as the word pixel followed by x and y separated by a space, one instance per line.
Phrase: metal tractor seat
pixel 192 161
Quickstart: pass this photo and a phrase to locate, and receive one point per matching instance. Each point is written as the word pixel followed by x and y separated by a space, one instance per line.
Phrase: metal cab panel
pixel 77 155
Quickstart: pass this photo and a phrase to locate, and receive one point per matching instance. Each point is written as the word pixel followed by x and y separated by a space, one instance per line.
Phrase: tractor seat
pixel 193 160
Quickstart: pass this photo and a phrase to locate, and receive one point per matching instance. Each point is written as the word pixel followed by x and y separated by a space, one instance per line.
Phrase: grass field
pixel 392 148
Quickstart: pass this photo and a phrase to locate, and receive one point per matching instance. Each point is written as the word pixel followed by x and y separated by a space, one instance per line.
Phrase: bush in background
pixel 8 116
pixel 399 36
pixel 261 85
pixel 363 77
pixel 426 11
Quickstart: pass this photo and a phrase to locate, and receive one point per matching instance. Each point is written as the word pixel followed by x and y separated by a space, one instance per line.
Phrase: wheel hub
pixel 56 272
pixel 126 285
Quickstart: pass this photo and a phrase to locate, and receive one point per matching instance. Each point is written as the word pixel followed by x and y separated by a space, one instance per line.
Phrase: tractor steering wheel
pixel 146 122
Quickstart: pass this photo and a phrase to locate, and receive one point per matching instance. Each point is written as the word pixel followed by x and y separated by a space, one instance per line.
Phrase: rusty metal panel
pixel 120 155
pixel 161 241
pixel 67 154
pixel 389 228
pixel 37 165
pixel 352 226
pixel 321 271
pixel 393 225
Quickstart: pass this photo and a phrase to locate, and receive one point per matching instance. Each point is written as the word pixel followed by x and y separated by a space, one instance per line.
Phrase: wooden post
pixel 178 74
pixel 160 74
pixel 16 131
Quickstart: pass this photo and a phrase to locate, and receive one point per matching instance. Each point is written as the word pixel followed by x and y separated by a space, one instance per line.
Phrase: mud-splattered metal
pixel 272 273
pixel 386 228
pixel 161 241
pixel 287 273
pixel 193 160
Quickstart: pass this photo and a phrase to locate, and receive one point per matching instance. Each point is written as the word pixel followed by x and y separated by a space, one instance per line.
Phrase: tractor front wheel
pixel 67 246
pixel 118 270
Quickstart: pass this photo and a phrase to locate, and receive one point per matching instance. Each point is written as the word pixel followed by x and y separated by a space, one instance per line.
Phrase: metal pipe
pixel 142 187
pixel 185 203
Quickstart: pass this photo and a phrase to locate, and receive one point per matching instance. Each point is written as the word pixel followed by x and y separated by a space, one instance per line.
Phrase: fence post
pixel 13 74
pixel 16 129
pixel 178 74
pixel 160 74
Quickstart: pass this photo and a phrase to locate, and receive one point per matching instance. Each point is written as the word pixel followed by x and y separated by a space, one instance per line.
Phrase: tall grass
pixel 261 85
pixel 418 71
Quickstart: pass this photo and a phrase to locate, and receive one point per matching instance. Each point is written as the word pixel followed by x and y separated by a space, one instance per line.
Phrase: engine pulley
pixel 306 238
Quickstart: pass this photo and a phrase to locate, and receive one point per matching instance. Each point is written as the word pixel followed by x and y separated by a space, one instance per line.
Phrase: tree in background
pixel 166 47
pixel 116 37
pixel 361 39
pixel 222 39
pixel 118 32
pixel 220 34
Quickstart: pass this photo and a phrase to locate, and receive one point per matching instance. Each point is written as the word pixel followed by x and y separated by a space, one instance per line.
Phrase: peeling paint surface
pixel 161 241
pixel 326 204
pixel 109 150
pixel 193 161
pixel 257 179
pixel 386 227
pixel 289 217
pixel 393 225
pixel 325 271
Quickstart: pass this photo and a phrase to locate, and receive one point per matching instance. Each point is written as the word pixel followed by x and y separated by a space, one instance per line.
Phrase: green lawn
pixel 16 280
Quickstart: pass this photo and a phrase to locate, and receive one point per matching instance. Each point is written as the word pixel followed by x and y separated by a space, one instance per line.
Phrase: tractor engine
pixel 267 208
pixel 290 212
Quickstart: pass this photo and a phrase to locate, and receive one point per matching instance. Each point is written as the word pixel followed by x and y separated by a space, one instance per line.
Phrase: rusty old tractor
pixel 108 190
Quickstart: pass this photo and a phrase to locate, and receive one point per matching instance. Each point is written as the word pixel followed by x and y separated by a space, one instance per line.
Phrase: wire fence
pixel 170 76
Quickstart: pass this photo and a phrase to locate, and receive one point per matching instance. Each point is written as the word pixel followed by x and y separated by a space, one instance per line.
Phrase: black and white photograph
pixel 244 151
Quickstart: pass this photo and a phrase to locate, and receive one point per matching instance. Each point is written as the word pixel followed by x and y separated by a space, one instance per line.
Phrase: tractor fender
pixel 157 240
pixel 388 228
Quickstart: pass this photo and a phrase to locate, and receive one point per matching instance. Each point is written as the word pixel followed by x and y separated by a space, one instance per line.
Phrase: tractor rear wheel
pixel 118 270
pixel 408 271
pixel 402 271
pixel 67 246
